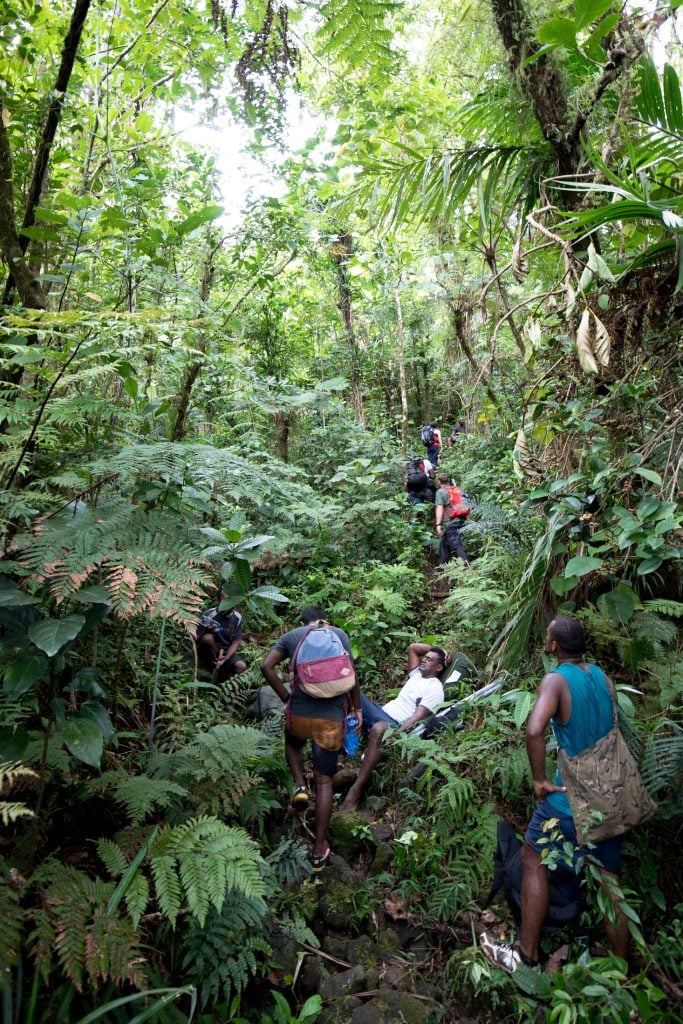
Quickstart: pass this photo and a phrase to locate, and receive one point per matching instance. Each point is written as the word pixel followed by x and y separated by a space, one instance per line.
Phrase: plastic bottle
pixel 351 740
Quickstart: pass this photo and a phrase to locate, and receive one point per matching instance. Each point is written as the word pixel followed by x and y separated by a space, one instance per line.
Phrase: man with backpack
pixel 452 509
pixel 431 439
pixel 324 690
pixel 577 700
pixel 418 699
pixel 420 482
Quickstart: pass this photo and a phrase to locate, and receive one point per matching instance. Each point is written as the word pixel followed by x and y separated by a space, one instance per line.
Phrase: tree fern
pixel 11 916
pixel 662 765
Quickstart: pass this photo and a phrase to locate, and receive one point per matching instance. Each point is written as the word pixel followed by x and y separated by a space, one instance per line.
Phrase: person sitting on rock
pixel 419 697
pixel 218 638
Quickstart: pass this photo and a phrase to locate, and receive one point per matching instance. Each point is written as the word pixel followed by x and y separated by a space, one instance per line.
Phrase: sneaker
pixel 300 799
pixel 503 955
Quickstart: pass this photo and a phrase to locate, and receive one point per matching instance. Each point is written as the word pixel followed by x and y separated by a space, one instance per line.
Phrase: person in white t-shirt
pixel 419 698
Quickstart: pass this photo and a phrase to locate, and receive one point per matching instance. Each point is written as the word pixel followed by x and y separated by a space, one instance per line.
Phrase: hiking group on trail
pixel 323 701
pixel 425 487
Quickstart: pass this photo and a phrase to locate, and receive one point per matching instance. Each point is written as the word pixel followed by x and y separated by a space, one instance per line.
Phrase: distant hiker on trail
pixel 458 431
pixel 218 638
pixel 420 484
pixel 452 509
pixel 312 649
pixel 419 697
pixel 577 700
pixel 431 439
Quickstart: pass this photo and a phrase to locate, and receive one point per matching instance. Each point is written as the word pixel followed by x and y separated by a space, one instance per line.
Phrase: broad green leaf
pixel 83 738
pixel 561 586
pixel 581 565
pixel 199 217
pixel 619 604
pixel 269 593
pixel 14 598
pixel 95 712
pixel 558 32
pixel 25 670
pixel 50 635
pixel 522 708
pixel 649 474
pixel 93 595
pixel 588 11
pixel 649 565
pixel 242 573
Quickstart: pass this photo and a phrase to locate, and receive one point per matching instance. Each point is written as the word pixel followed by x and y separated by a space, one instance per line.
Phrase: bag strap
pixel 292 664
pixel 612 692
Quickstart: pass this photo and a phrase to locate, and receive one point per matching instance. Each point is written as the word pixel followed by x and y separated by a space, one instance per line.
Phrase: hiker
pixel 576 700
pixel 452 509
pixel 420 484
pixel 320 719
pixel 458 431
pixel 419 697
pixel 218 638
pixel 431 439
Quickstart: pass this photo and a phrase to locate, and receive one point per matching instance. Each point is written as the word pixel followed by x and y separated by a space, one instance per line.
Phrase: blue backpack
pixel 321 666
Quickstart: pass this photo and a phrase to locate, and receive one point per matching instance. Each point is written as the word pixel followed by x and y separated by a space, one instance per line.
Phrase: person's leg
pixel 535 901
pixel 454 542
pixel 294 755
pixel 615 932
pixel 444 550
pixel 372 756
pixel 323 810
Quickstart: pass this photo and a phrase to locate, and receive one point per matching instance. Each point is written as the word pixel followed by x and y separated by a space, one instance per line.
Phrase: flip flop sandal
pixel 300 799
pixel 319 860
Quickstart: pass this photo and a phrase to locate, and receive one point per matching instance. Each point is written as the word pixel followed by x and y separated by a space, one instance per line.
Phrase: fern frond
pixel 662 606
pixel 138 794
pixel 201 861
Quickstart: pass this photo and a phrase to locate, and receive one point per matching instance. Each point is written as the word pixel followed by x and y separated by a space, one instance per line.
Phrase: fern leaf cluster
pixel 138 794
pixel 10 774
pixel 223 955
pixel 356 31
pixel 200 863
pixel 73 921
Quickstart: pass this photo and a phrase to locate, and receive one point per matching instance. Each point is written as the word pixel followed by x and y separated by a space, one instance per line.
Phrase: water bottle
pixel 351 740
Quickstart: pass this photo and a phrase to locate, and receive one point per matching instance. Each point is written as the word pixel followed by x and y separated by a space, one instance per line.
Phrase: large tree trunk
pixel 403 383
pixel 192 371
pixel 31 291
pixel 341 251
pixel 543 84
pixel 283 421
pixel 69 50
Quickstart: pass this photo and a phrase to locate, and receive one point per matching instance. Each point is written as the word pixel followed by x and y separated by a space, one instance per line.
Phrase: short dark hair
pixel 568 634
pixel 443 478
pixel 311 613
pixel 439 651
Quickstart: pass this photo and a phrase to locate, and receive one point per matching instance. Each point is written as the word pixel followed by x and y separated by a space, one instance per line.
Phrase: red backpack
pixel 459 505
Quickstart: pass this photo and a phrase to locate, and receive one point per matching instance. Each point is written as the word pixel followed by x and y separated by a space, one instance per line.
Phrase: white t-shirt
pixel 427 692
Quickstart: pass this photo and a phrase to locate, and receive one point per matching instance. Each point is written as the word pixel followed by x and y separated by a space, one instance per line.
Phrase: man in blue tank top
pixel 576 700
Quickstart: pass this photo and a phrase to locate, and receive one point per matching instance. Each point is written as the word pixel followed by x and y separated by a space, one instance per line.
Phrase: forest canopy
pixel 216 361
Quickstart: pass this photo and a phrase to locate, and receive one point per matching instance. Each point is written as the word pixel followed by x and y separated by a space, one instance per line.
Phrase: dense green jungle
pixel 247 250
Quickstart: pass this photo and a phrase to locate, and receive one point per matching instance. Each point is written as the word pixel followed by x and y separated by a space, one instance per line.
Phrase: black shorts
pixel 226 669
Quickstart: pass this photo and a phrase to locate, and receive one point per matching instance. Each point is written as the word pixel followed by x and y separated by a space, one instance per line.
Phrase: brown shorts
pixel 327 737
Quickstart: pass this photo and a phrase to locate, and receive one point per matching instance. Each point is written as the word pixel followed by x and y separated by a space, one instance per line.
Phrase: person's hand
pixel 220 657
pixel 545 787
pixel 448 659
pixel 439 529
pixel 359 715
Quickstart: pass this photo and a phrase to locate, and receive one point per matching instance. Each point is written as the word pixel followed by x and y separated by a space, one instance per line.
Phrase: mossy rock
pixel 349 834
pixel 383 859
pixel 340 1012
pixel 337 907
pixel 389 1007
pixel 307 901
pixel 364 952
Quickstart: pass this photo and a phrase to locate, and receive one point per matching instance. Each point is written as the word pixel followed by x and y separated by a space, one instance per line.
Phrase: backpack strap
pixel 292 664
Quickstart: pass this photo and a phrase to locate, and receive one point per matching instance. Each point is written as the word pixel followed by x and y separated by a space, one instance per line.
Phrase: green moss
pixel 349 834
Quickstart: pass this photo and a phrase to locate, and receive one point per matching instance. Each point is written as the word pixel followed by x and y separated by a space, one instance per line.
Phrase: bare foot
pixel 349 805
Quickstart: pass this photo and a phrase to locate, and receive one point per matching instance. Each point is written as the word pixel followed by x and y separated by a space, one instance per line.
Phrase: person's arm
pixel 440 509
pixel 273 658
pixel 546 706
pixel 228 652
pixel 418 715
pixel 355 704
pixel 415 654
